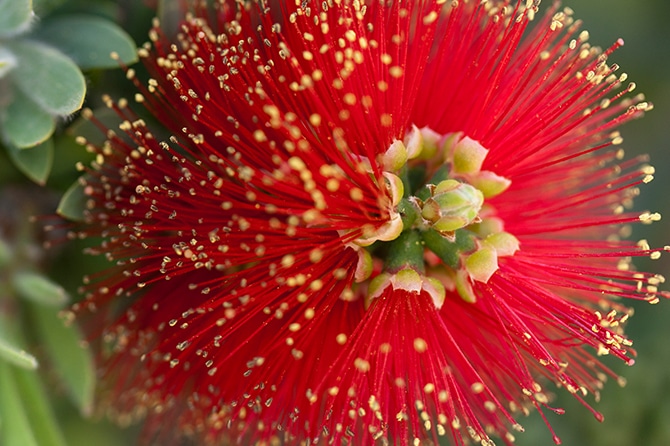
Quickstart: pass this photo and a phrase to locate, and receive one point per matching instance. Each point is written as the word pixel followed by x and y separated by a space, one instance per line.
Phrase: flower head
pixel 382 222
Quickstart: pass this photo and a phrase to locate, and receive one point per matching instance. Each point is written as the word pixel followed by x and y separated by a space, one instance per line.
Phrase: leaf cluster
pixel 41 79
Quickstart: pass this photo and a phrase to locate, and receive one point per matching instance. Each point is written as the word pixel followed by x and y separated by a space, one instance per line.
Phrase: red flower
pixel 375 222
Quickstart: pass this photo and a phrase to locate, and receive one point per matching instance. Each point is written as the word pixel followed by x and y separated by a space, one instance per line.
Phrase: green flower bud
pixel 453 205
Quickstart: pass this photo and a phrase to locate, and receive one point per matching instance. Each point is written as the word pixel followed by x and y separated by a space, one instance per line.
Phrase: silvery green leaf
pixel 89 41
pixel 39 289
pixel 35 161
pixel 15 17
pixel 12 354
pixel 24 123
pixel 7 61
pixel 48 77
pixel 72 361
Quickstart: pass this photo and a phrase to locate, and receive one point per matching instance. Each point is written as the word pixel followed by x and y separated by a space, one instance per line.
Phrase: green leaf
pixel 7 61
pixel 89 40
pixel 25 124
pixel 16 428
pixel 35 162
pixel 16 356
pixel 15 17
pixel 73 363
pixel 73 203
pixel 37 407
pixel 39 289
pixel 44 7
pixel 48 77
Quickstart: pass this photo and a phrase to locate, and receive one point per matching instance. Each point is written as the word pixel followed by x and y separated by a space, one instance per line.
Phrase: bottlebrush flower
pixel 384 222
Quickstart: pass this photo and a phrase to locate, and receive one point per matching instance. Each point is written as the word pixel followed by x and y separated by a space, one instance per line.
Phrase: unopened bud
pixel 453 205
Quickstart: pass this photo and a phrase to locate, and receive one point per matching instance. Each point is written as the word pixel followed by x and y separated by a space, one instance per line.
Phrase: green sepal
pixel 15 17
pixel 69 358
pixel 48 77
pixel 88 40
pixel 24 123
pixel 37 288
pixel 35 162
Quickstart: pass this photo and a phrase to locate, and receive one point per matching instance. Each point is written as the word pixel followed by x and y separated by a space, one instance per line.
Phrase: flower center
pixel 442 234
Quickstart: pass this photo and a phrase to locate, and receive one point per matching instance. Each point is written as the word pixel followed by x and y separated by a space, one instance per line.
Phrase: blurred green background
pixel 638 414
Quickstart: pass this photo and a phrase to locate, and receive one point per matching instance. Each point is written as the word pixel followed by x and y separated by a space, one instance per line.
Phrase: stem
pixel 405 252
pixel 408 212
pixel 449 252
